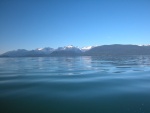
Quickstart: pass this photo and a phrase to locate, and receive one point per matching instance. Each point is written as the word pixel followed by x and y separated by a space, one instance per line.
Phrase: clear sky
pixel 30 24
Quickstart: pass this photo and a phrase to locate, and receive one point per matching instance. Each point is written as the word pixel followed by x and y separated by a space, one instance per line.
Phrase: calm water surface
pixel 106 84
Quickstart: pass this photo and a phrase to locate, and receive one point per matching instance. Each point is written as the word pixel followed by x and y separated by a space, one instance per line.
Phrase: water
pixel 106 84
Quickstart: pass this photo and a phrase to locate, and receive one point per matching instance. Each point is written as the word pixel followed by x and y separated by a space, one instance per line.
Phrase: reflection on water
pixel 105 84
pixel 76 65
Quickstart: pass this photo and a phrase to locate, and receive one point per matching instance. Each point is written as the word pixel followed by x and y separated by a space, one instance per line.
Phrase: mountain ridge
pixel 114 49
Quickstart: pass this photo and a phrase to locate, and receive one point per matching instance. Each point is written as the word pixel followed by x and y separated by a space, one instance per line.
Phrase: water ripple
pixel 122 82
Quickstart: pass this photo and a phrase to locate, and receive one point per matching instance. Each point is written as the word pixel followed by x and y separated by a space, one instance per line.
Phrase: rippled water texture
pixel 106 84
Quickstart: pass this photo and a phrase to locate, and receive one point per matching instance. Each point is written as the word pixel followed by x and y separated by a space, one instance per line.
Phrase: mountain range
pixel 115 49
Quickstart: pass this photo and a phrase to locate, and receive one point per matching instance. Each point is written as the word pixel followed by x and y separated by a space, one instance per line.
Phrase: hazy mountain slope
pixel 18 53
pixel 115 49
pixel 119 50
pixel 67 51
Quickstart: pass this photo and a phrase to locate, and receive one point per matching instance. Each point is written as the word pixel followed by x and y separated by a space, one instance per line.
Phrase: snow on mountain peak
pixel 39 49
pixel 144 45
pixel 45 49
pixel 70 46
pixel 87 48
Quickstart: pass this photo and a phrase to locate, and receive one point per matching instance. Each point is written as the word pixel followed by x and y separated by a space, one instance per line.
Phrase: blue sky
pixel 29 24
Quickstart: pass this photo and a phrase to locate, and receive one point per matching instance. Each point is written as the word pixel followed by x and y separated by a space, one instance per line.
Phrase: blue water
pixel 106 84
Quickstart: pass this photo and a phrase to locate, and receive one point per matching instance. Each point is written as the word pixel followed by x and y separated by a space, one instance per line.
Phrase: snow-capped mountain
pixel 68 48
pixel 46 50
pixel 41 52
pixel 115 49
pixel 67 51
pixel 144 45
pixel 23 53
pixel 87 48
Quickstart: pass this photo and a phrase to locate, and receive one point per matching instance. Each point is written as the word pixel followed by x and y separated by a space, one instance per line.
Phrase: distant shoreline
pixel 104 50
